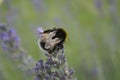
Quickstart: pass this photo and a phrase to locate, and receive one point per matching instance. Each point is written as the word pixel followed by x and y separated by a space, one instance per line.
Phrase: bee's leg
pixel 47 54
pixel 55 41
pixel 52 34
pixel 63 50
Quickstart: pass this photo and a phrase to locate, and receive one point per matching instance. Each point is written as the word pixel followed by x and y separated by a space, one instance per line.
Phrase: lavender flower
pixel 54 67
pixel 10 42
pixel 98 4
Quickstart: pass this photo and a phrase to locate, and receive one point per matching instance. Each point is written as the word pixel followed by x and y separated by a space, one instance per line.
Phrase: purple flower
pixel 68 72
pixel 98 4
pixel 39 31
pixel 54 67
pixel 3 27
pixel 10 42
pixel 9 38
pixel 4 37
pixel 39 66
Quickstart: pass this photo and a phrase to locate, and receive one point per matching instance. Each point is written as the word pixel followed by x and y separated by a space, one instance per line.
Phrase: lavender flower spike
pixel 54 67
pixel 10 42
pixel 9 39
pixel 40 31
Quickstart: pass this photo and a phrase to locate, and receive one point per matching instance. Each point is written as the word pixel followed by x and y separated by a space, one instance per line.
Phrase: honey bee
pixel 52 39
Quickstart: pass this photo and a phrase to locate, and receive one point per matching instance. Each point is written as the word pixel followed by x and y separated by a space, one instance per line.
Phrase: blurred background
pixel 93 45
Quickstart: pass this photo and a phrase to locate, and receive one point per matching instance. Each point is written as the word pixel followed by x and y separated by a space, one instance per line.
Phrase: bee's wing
pixel 50 43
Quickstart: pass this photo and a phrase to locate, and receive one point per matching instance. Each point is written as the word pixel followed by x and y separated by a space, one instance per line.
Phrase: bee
pixel 52 39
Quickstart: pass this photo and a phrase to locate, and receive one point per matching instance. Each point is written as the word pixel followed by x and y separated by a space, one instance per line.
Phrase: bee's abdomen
pixel 60 33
